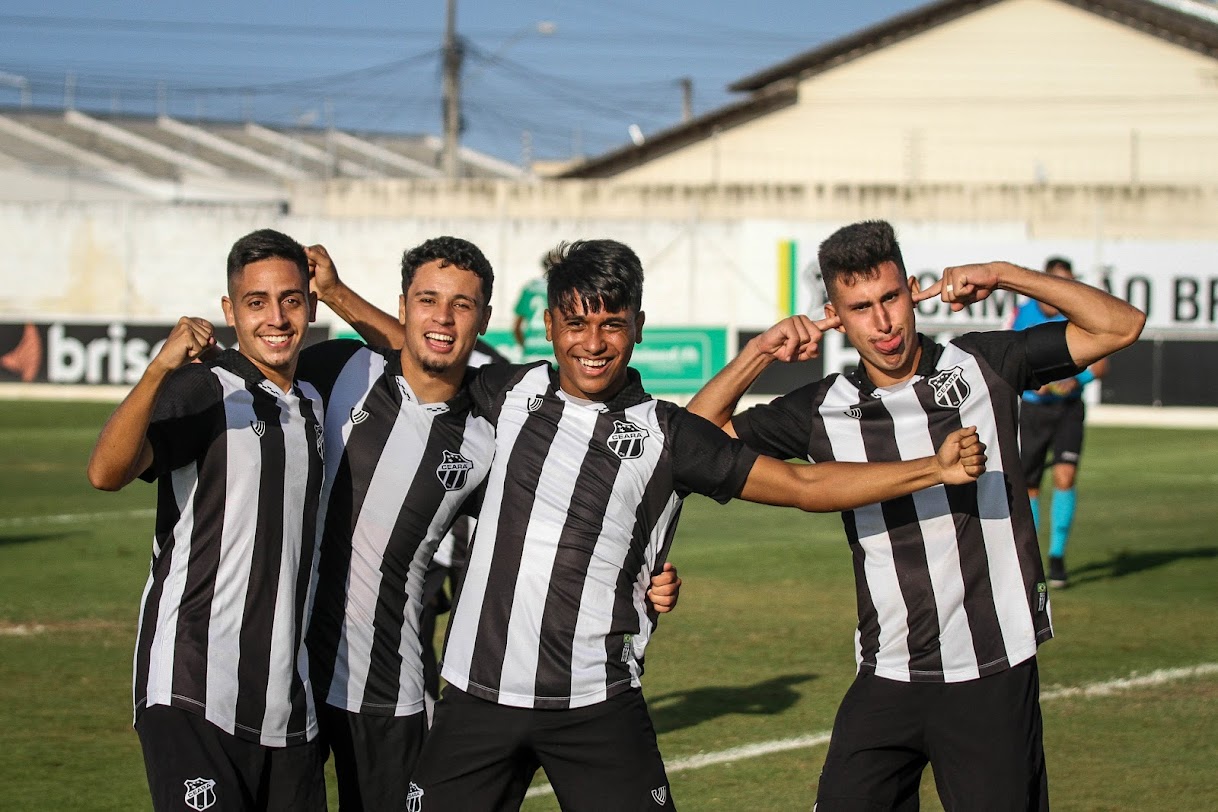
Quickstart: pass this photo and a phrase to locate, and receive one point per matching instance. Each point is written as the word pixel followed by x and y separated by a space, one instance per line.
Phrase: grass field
pixel 759 651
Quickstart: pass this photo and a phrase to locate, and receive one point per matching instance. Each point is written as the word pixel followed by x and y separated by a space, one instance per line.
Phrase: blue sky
pixel 374 65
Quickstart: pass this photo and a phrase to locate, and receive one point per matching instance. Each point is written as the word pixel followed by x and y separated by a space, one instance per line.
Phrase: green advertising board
pixel 671 360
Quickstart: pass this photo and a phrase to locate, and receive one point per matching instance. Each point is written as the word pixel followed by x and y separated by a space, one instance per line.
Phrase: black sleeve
pixel 781 428
pixel 705 459
pixel 487 385
pixel 1026 359
pixel 320 364
pixel 187 416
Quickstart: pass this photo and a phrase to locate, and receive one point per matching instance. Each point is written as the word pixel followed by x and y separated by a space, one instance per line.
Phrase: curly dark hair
pixel 857 250
pixel 263 244
pixel 450 251
pixel 595 273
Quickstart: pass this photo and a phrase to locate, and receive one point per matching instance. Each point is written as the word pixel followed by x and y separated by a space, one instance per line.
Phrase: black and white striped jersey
pixel 223 615
pixel 949 580
pixel 397 474
pixel 454 547
pixel 579 512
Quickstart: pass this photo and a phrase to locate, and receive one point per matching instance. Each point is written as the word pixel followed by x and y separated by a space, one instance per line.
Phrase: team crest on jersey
pixel 660 794
pixel 259 427
pixel 200 793
pixel 414 798
pixel 534 403
pixel 950 388
pixel 855 412
pixel 454 471
pixel 627 439
pixel 358 416
pixel 627 647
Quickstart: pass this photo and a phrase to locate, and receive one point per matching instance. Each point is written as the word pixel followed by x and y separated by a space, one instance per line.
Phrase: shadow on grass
pixel 682 709
pixel 26 538
pixel 1125 563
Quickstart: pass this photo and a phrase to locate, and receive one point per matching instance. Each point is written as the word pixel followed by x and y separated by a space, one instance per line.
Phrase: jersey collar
pixel 394 376
pixel 236 363
pixel 926 366
pixel 632 393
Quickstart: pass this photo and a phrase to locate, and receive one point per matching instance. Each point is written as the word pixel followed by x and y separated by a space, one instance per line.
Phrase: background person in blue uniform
pixel 1051 419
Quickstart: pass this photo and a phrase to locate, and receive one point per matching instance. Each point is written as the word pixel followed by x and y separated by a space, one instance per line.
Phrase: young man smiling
pixel 952 599
pixel 545 648
pixel 221 686
pixel 406 452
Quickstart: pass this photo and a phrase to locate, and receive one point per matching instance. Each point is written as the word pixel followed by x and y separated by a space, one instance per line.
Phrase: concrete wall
pixel 1119 211
pixel 144 262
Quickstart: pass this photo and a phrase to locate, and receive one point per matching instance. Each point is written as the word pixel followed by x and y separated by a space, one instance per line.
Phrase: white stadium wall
pixel 98 265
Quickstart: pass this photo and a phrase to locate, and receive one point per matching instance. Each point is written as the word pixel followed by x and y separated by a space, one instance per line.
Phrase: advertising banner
pixel 1174 283
pixel 106 353
pixel 671 360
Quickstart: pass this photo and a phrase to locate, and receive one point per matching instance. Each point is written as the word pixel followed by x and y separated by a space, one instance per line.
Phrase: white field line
pixel 1094 689
pixel 1134 680
pixel 74 518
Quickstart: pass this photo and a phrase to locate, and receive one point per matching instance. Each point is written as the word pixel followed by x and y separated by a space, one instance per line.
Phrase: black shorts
pixel 373 755
pixel 982 737
pixel 1042 426
pixel 194 765
pixel 481 755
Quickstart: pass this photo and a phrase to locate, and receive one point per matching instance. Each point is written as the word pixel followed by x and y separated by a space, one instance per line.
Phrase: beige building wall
pixel 1115 211
pixel 1023 91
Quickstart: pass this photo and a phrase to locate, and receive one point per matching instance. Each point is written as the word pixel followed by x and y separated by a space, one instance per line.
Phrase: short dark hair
pixel 1059 262
pixel 596 274
pixel 857 250
pixel 452 251
pixel 265 243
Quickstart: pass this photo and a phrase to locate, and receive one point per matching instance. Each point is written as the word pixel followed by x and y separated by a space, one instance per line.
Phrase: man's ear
pixel 486 320
pixel 402 308
pixel 638 327
pixel 226 304
pixel 914 287
pixel 831 312
pixel 549 325
pixel 312 307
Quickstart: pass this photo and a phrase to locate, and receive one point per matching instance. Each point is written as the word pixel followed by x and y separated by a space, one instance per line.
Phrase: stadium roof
pixel 160 157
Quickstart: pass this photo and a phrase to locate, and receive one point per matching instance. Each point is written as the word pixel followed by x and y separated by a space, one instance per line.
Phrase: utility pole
pixel 687 98
pixel 453 54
